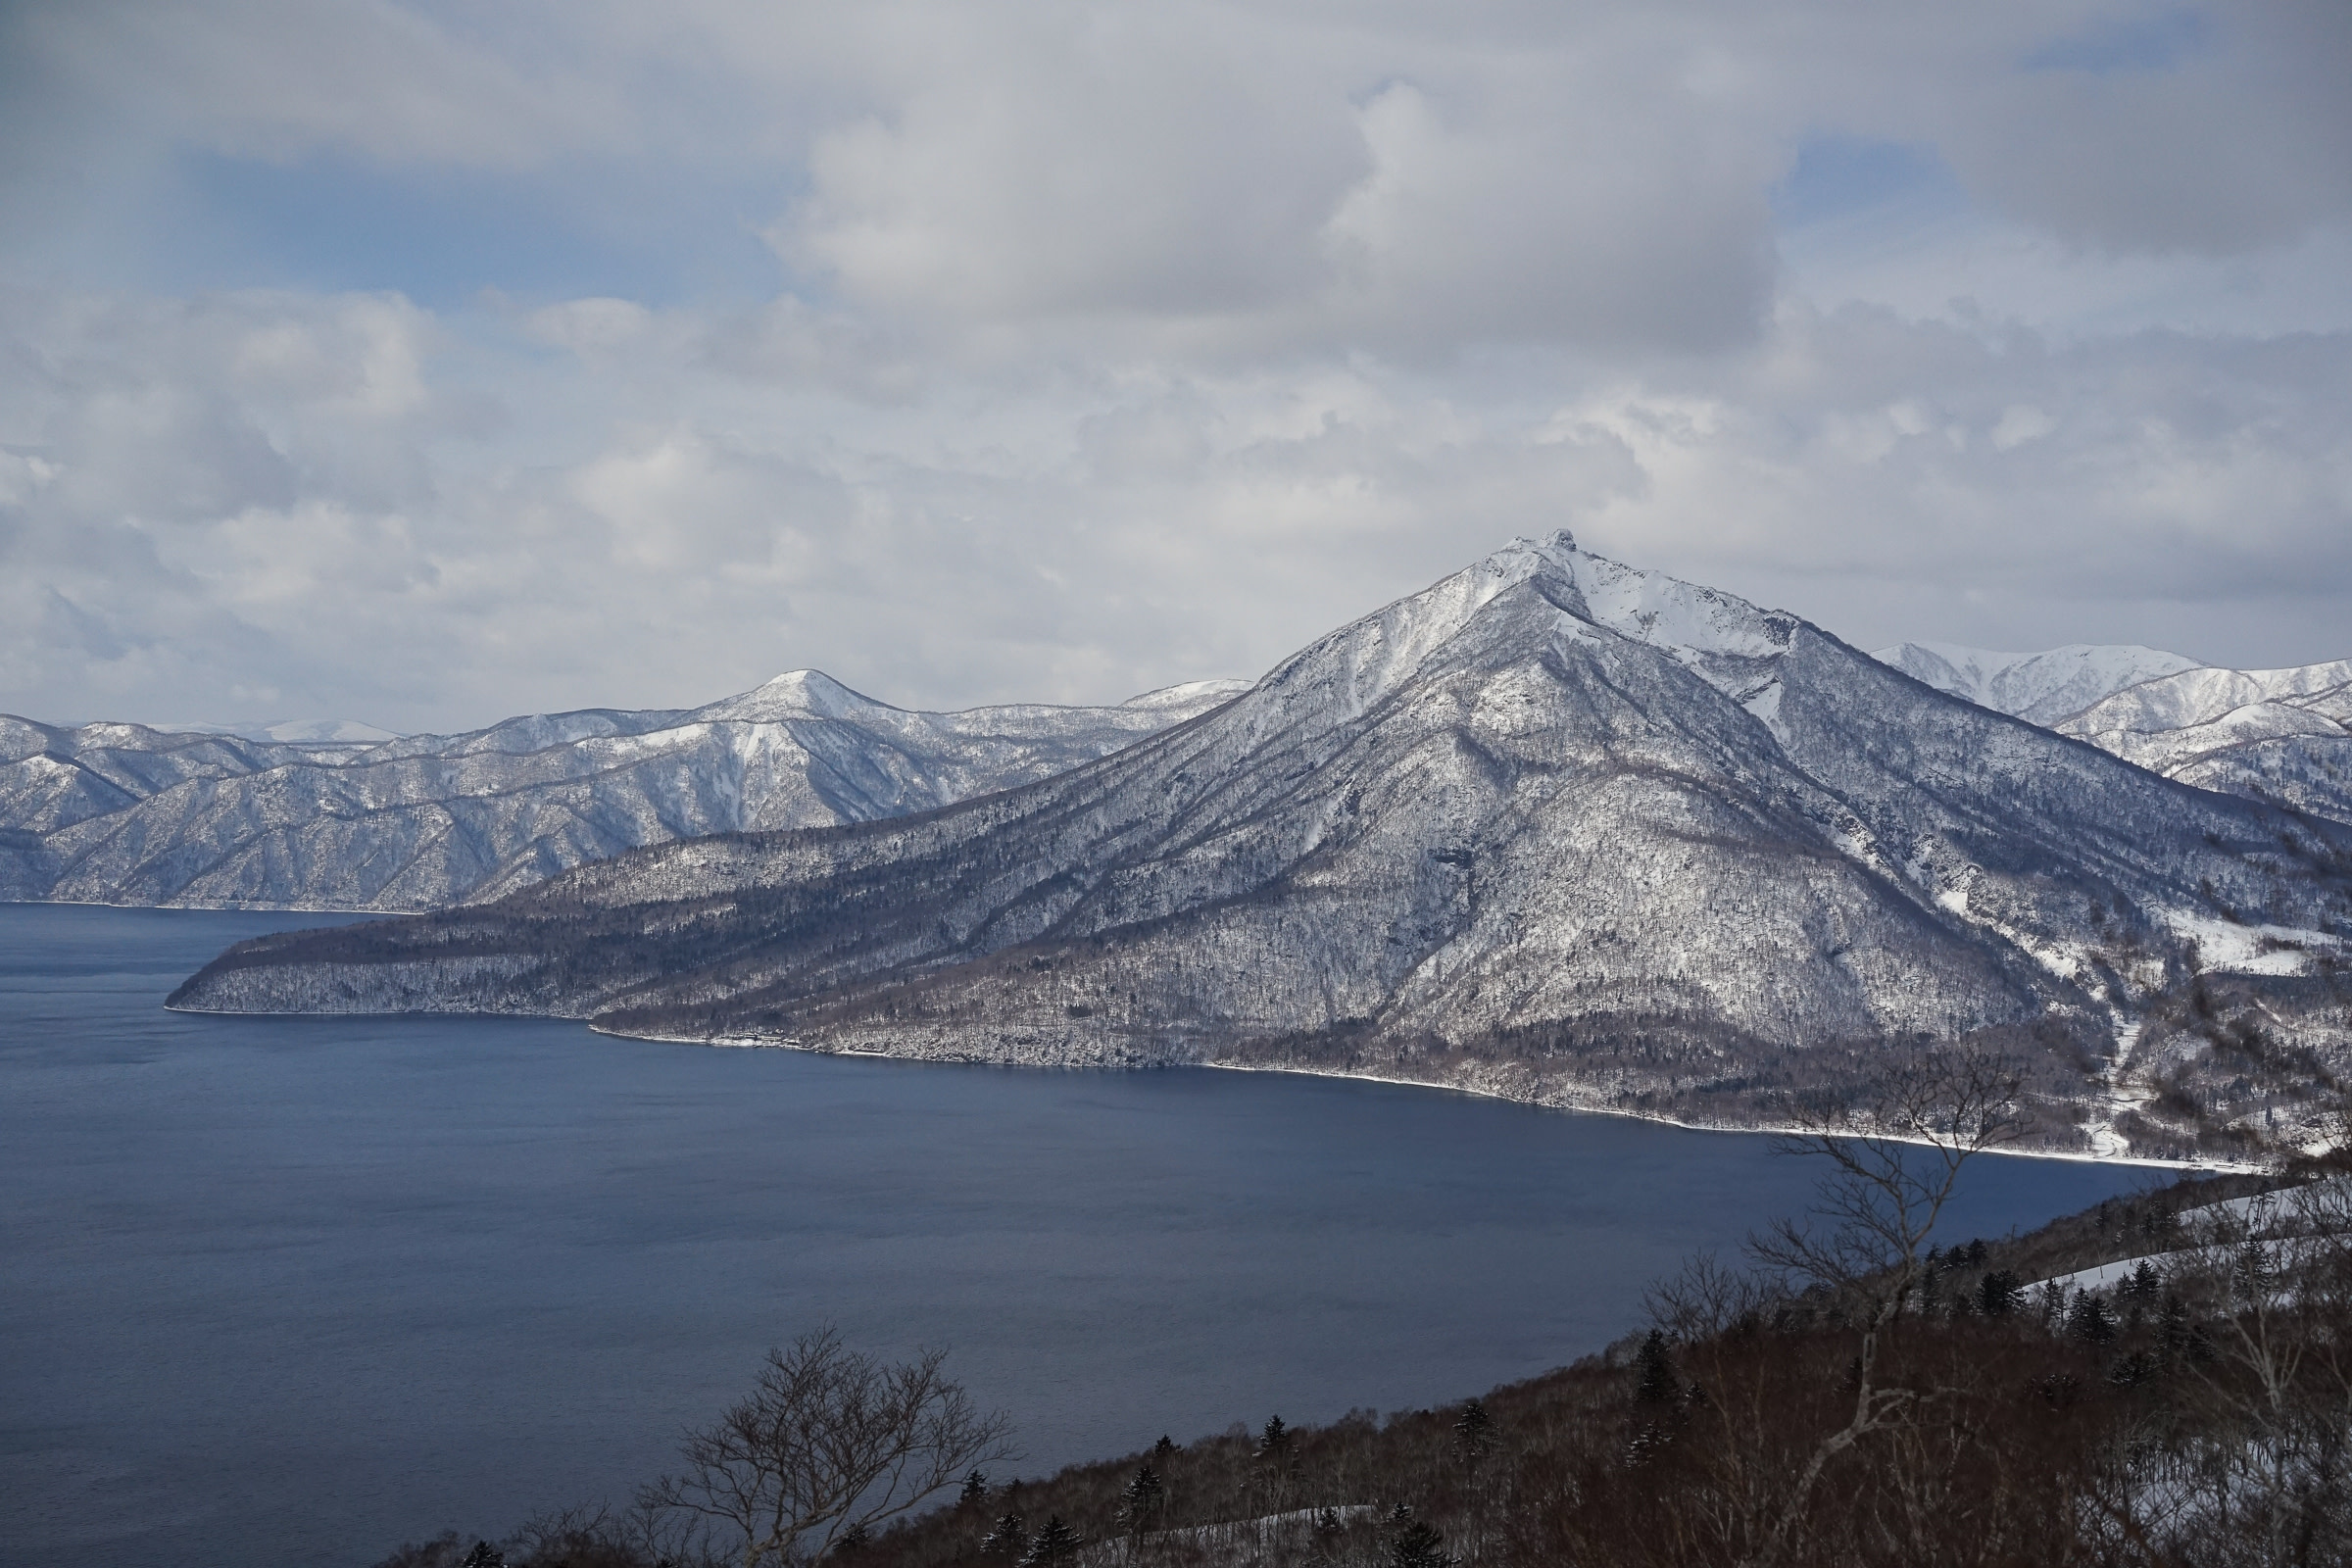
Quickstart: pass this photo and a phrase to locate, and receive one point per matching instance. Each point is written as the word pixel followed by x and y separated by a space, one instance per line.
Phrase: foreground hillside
pixel 119 813
pixel 1552 828
pixel 1873 1394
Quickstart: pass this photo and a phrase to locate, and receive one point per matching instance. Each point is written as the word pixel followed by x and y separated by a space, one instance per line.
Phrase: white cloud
pixel 213 512
pixel 1124 346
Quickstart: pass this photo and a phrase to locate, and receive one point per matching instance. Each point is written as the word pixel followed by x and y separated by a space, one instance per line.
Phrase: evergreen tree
pixel 1656 1383
pixel 1010 1538
pixel 2251 1273
pixel 1056 1544
pixel 484 1555
pixel 1142 1500
pixel 2087 1319
pixel 1417 1546
pixel 1161 1450
pixel 1473 1432
pixel 975 1490
pixel 1997 1292
pixel 1277 1463
pixel 2171 1324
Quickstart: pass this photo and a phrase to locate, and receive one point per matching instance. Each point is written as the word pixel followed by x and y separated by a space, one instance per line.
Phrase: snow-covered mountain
pixel 298 731
pixel 1552 828
pixel 121 813
pixel 2282 735
pixel 2045 688
pixel 2278 735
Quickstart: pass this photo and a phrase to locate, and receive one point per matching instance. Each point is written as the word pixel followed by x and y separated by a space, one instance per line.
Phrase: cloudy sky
pixel 424 363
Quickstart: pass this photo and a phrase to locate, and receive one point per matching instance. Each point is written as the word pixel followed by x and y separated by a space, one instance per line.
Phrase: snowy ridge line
pixel 125 815
pixel 1528 815
pixel 2281 735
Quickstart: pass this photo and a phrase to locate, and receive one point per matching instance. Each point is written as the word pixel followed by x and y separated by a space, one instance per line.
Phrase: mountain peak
pixel 795 694
pixel 1552 827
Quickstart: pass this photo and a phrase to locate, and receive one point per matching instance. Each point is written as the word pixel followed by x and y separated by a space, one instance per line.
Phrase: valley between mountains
pixel 1553 828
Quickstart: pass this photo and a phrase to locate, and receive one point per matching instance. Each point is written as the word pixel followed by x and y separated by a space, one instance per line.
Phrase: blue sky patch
pixel 2162 42
pixel 443 236
pixel 1840 176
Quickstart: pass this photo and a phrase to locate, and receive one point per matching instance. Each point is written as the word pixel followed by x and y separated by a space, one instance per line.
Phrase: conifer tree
pixel 1277 1463
pixel 1656 1383
pixel 1997 1292
pixel 2088 1320
pixel 975 1489
pixel 1473 1432
pixel 1142 1500
pixel 1056 1544
pixel 1009 1538
pixel 2173 1324
pixel 1417 1546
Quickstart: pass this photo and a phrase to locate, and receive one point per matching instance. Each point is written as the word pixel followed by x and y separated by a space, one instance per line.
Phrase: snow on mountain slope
pixel 2045 688
pixel 2199 697
pixel 2278 735
pixel 1552 828
pixel 295 731
pixel 117 813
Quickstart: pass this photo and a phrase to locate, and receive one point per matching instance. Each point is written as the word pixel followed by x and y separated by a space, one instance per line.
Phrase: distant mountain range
pixel 1553 827
pixel 295 731
pixel 2278 735
pixel 123 814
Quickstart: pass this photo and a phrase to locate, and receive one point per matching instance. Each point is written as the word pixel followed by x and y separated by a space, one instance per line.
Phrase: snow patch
pixel 2228 948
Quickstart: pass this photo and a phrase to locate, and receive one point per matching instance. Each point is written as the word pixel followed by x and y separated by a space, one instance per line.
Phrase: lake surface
pixel 283 1291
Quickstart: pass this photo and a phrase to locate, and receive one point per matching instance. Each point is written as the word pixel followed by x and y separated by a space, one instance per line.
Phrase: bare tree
pixel 2270 1479
pixel 595 1535
pixel 828 1444
pixel 1893 1167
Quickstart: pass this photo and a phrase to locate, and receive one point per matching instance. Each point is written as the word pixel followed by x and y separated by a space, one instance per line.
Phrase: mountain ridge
pixel 2279 736
pixel 1552 828
pixel 126 814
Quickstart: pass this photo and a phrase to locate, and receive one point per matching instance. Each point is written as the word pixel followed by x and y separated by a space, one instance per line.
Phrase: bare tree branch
pixel 828 1444
pixel 1893 1167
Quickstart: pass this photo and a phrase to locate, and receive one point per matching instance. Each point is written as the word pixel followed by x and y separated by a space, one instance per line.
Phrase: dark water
pixel 287 1291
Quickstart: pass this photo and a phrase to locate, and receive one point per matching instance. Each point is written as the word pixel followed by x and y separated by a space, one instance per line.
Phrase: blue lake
pixel 288 1291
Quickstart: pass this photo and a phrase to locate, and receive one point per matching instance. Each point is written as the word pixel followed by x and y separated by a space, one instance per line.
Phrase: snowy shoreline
pixel 1769 1130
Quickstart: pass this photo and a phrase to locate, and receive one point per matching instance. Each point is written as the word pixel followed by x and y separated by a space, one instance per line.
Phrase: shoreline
pixel 214 908
pixel 2147 1163
pixel 2205 1167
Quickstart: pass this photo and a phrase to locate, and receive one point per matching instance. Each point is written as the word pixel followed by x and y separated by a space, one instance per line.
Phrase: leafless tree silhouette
pixel 829 1444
